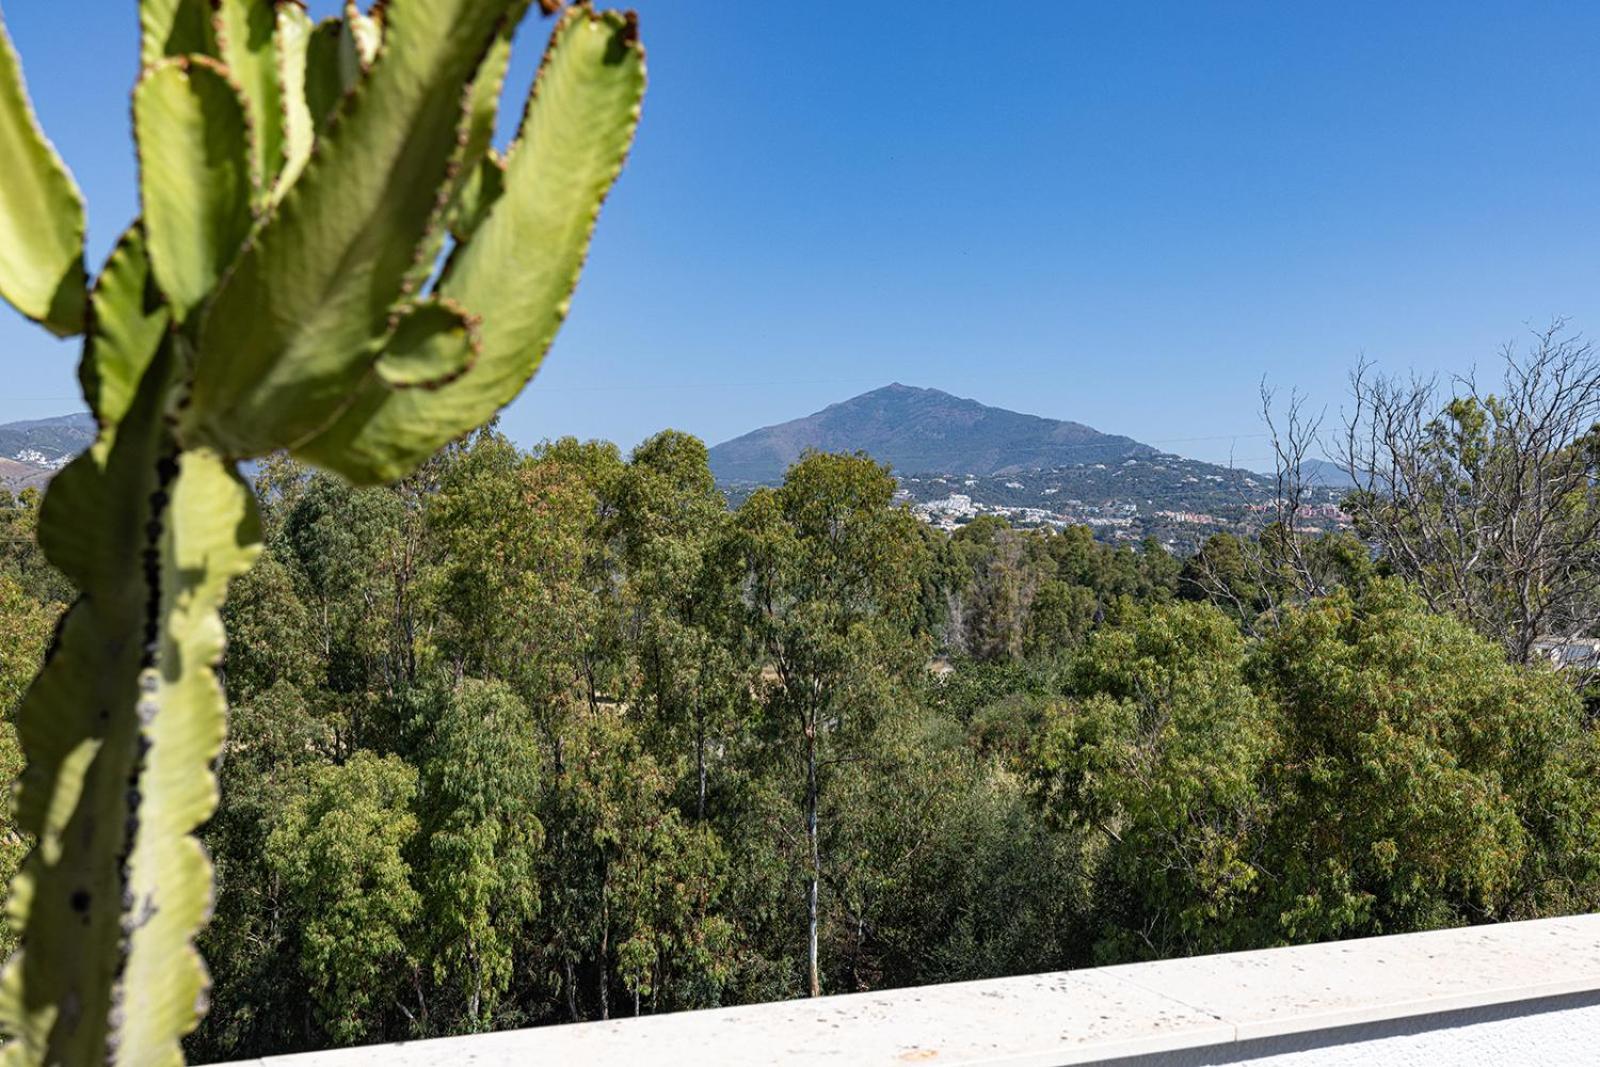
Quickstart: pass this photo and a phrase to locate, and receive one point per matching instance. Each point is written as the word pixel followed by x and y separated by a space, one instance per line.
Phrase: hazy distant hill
pixel 16 477
pixel 1326 473
pixel 51 439
pixel 30 452
pixel 921 430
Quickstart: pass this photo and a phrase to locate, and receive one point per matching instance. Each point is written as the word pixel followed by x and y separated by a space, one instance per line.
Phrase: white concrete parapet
pixel 1516 993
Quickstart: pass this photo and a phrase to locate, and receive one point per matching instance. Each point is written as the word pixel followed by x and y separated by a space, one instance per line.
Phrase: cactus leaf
pixel 363 36
pixel 216 333
pixel 246 38
pixel 119 735
pixel 65 901
pixel 128 320
pixel 433 344
pixel 42 222
pixel 481 173
pixel 196 176
pixel 173 28
pixel 299 123
pixel 478 120
pixel 289 334
pixel 483 100
pixel 325 83
pixel 478 196
pixel 524 260
pixel 212 535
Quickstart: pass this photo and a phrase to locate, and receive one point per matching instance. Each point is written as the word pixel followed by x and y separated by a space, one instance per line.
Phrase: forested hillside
pixel 537 737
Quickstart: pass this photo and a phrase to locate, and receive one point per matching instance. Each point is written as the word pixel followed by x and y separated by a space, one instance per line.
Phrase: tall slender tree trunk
pixel 422 998
pixel 475 1002
pixel 605 949
pixel 816 856
pixel 855 956
pixel 572 989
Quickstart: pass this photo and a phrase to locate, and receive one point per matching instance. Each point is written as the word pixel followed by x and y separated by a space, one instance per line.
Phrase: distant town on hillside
pixel 955 459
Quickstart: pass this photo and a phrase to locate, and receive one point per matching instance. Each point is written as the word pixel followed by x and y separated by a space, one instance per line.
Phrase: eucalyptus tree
pixel 480 840
pixel 832 575
pixel 671 521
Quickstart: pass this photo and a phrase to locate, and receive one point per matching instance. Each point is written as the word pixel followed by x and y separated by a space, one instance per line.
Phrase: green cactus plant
pixel 299 184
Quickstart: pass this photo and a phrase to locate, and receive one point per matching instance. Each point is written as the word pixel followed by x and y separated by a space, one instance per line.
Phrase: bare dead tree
pixel 1278 566
pixel 1296 437
pixel 1486 498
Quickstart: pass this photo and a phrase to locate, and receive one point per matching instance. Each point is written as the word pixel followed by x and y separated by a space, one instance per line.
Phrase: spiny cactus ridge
pixel 331 259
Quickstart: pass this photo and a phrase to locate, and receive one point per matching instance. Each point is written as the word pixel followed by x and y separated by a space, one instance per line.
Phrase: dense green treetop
pixel 553 735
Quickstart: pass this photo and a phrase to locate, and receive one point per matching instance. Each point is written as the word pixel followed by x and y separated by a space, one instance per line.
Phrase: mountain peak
pixel 920 430
pixel 893 390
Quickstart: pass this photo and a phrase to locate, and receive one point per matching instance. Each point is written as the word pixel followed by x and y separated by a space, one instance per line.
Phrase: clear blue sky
pixel 1117 212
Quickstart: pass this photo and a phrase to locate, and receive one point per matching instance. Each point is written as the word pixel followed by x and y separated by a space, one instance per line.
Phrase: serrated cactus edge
pixel 279 292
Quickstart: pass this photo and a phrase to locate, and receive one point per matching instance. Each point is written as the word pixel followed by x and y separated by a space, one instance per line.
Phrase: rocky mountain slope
pixel 921 430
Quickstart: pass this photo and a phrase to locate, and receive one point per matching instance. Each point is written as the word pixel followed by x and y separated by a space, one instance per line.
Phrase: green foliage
pixel 24 629
pixel 339 853
pixel 1368 767
pixel 633 884
pixel 1251 580
pixel 601 684
pixel 1222 573
pixel 940 869
pixel 1474 779
pixel 671 526
pixel 1161 747
pixel 1035 593
pixel 274 295
pixel 833 573
pixel 480 839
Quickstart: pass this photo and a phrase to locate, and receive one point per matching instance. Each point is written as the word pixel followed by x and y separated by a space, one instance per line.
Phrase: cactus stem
pixel 238 348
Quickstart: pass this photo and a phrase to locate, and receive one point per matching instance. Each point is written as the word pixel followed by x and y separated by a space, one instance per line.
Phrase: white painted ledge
pixel 1513 993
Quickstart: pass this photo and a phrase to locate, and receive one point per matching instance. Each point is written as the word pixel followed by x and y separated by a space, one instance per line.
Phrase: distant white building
pixel 34 458
pixel 1576 653
pixel 947 513
pixel 1191 518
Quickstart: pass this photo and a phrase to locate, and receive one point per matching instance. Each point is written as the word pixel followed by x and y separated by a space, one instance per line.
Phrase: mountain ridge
pixel 918 430
pixel 32 450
